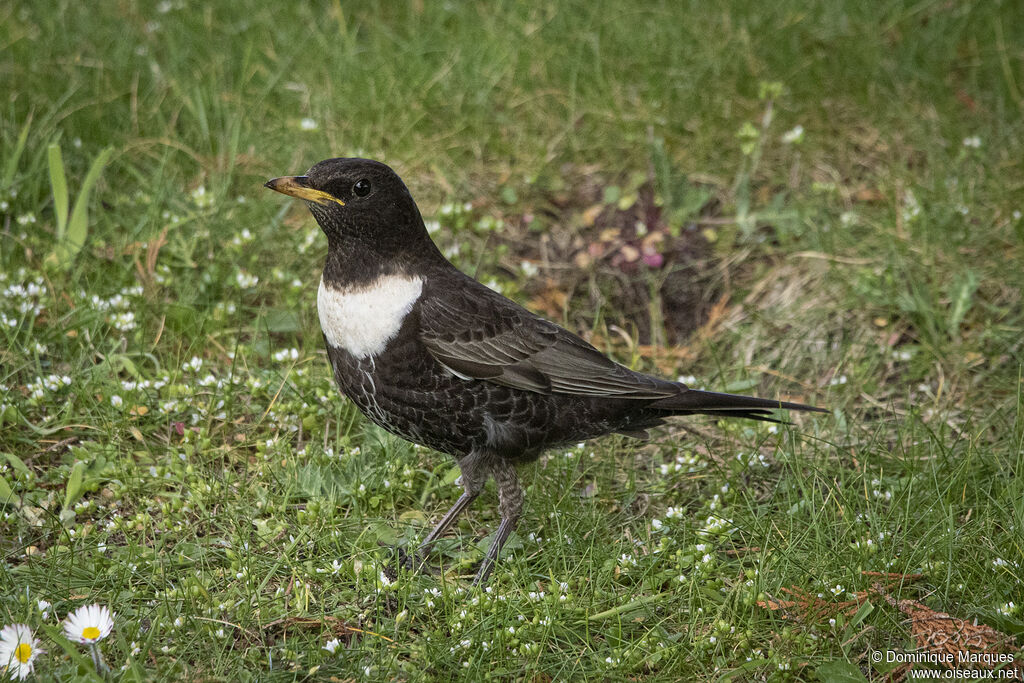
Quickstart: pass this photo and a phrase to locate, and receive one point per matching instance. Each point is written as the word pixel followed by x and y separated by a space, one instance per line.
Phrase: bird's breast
pixel 361 320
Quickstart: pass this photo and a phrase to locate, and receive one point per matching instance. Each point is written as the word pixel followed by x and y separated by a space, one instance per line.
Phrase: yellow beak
pixel 298 186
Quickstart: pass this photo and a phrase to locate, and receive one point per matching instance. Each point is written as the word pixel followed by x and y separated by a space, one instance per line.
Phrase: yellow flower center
pixel 23 653
pixel 90 633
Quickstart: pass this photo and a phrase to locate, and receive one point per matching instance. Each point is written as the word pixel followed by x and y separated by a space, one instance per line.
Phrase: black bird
pixel 432 355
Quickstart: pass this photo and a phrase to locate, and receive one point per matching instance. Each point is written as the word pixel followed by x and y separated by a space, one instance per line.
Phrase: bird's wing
pixel 478 334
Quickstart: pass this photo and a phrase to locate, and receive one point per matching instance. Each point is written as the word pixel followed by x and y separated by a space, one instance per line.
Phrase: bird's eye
pixel 361 188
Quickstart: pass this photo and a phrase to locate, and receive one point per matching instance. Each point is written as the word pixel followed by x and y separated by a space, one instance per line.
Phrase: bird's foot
pixel 409 561
pixel 415 561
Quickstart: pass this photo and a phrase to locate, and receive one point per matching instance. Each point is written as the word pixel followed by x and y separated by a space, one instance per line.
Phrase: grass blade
pixel 19 148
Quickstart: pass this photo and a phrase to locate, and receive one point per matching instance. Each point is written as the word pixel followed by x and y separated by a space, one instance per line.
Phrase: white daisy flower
pixel 89 624
pixel 18 651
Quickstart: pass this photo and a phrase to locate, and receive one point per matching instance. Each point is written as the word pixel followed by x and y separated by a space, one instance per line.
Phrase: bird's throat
pixel 362 319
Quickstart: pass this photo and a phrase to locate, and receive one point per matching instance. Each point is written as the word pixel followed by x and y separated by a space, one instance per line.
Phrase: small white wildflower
pixel 286 354
pixel 795 135
pixel 245 280
pixel 200 198
pixel 308 124
pixel 911 207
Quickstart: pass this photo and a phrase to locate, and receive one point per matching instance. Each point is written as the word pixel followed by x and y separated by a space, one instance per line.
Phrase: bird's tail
pixel 695 402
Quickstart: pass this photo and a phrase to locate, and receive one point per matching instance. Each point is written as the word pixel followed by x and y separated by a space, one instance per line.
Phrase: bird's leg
pixel 474 476
pixel 465 499
pixel 510 506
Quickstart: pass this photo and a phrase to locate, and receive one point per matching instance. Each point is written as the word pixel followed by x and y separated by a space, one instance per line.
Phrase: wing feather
pixel 479 334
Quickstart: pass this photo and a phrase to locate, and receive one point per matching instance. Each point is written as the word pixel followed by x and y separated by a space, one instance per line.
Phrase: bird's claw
pixel 414 562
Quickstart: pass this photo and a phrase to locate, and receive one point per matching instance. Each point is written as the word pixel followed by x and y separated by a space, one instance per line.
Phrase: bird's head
pixel 358 201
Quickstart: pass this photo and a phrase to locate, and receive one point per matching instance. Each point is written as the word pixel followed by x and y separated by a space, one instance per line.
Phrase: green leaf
pixel 17 463
pixel 78 224
pixel 74 488
pixel 627 201
pixel 840 671
pixel 962 294
pixel 508 195
pixel 865 609
pixel 59 187
pixel 7 493
pixel 741 385
pixel 281 320
pixel 383 533
pixel 126 364
pixel 451 475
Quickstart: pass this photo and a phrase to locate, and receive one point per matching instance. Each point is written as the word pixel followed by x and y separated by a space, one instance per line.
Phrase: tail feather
pixel 693 401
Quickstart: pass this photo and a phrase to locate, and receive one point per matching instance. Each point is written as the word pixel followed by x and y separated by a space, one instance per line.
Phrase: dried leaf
pixel 807 607
pixel 629 253
pixel 590 215
pixel 810 608
pixel 582 260
pixel 551 301
pixel 965 643
pixel 868 194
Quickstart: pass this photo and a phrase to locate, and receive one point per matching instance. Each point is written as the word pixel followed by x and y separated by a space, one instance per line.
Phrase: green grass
pixel 197 472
